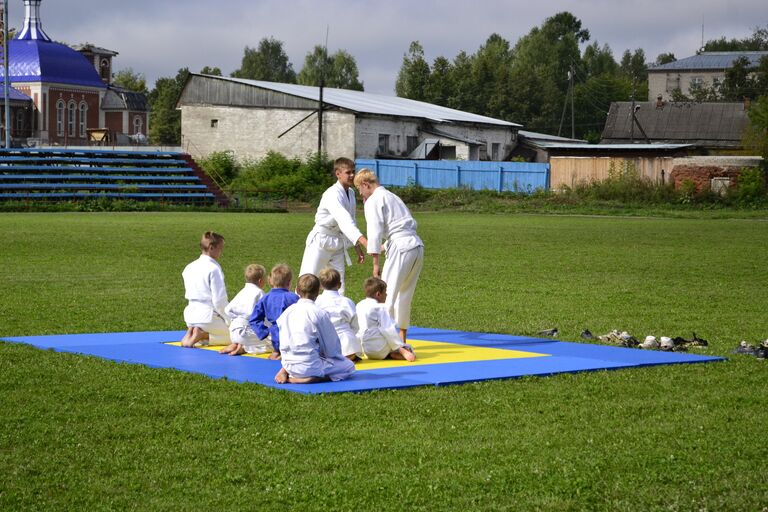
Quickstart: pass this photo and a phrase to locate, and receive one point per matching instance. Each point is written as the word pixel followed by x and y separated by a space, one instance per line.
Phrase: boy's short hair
pixel 209 240
pixel 373 285
pixel 308 286
pixel 281 276
pixel 330 279
pixel 365 175
pixel 254 273
pixel 343 163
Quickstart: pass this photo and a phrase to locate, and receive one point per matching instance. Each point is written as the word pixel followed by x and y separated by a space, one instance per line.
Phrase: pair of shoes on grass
pixel 622 339
pixel 760 351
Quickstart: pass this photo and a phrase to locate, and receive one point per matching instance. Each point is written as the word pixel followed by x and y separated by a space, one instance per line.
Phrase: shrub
pixel 290 178
pixel 221 166
pixel 750 187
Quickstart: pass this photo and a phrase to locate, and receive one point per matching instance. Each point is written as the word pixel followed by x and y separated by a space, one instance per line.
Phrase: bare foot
pixel 407 353
pixel 353 357
pixel 282 376
pixel 196 335
pixel 238 351
pixel 229 349
pixel 275 356
pixel 307 380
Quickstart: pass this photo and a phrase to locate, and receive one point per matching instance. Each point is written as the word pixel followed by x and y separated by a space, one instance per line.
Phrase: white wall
pixel 252 132
pixel 657 82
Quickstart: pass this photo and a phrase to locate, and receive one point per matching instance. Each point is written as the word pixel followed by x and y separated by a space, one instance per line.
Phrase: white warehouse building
pixel 252 117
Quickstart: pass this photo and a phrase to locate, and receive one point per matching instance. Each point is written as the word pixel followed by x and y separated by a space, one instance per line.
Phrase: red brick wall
pixel 114 121
pixel 92 117
pixel 701 175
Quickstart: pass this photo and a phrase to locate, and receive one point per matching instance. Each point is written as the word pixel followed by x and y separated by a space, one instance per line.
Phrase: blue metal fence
pixel 475 175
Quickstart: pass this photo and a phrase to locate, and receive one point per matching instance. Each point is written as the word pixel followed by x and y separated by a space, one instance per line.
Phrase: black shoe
pixel 549 332
pixel 587 335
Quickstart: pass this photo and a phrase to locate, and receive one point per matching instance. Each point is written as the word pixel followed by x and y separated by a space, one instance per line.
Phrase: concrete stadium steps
pixel 53 174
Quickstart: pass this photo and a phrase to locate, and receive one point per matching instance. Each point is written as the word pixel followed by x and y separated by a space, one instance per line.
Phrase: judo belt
pixel 337 234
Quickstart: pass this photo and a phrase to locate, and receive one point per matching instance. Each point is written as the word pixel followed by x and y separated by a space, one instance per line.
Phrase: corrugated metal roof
pixel 535 136
pixel 610 147
pixel 710 60
pixel 36 60
pixel 368 103
pixel 714 124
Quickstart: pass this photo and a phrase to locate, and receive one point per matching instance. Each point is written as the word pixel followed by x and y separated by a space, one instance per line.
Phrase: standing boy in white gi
pixel 244 339
pixel 377 332
pixel 389 219
pixel 204 288
pixel 311 351
pixel 335 229
pixel 342 311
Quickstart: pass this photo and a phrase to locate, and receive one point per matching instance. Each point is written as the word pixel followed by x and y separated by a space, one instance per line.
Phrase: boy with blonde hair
pixel 335 229
pixel 342 313
pixel 244 339
pixel 311 348
pixel 204 288
pixel 377 331
pixel 264 317
pixel 387 218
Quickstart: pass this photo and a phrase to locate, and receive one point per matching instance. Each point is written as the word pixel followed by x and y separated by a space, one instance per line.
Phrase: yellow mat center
pixel 427 352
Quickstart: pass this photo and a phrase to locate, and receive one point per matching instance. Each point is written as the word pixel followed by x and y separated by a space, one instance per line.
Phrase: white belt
pixel 338 234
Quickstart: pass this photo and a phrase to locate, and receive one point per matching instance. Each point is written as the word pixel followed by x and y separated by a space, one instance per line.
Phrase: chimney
pixel 659 102
pixel 33 27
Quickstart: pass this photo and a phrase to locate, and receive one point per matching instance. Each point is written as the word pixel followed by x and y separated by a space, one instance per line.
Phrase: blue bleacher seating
pixel 54 174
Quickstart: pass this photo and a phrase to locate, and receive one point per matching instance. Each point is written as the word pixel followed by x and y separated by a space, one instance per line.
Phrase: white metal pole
pixel 6 86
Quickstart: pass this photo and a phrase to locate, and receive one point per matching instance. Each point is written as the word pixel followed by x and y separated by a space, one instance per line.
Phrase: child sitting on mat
pixel 377 331
pixel 342 311
pixel 311 350
pixel 204 288
pixel 264 317
pixel 244 340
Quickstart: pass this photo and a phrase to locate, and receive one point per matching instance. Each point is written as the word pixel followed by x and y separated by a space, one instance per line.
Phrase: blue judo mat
pixel 533 356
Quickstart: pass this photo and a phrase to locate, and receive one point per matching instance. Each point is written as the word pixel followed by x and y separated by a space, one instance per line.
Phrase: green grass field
pixel 80 433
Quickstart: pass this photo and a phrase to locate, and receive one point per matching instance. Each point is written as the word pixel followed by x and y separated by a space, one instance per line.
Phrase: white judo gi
pixel 377 331
pixel 239 311
pixel 334 232
pixel 207 295
pixel 389 219
pixel 344 319
pixel 309 344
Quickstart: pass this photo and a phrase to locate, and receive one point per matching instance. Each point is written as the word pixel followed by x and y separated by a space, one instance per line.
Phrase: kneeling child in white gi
pixel 377 331
pixel 309 345
pixel 244 339
pixel 342 311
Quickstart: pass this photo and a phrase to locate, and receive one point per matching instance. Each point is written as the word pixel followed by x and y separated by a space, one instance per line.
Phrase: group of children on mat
pixel 316 336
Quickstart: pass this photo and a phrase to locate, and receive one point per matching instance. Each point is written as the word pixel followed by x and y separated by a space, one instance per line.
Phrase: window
pixel 71 115
pixel 383 143
pixel 495 151
pixel 137 125
pixel 214 123
pixel 44 111
pixel 19 122
pixel 697 81
pixel 60 117
pixel 411 143
pixel 83 118
pixel 104 71
pixel 673 82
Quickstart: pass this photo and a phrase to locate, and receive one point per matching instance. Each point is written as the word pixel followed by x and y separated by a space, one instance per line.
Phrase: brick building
pixel 68 91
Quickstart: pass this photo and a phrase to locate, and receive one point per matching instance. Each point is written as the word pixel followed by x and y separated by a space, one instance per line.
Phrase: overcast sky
pixel 157 37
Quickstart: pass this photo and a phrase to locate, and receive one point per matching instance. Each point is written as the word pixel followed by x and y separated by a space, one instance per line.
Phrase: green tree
pixel 339 70
pixel 130 80
pixel 462 96
pixel 207 70
pixel 414 73
pixel 598 61
pixel 665 58
pixel 758 41
pixel 165 128
pixel 268 62
pixel 490 73
pixel 757 133
pixel 439 86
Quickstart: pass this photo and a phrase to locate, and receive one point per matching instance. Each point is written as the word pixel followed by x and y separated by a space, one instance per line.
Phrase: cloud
pixel 158 38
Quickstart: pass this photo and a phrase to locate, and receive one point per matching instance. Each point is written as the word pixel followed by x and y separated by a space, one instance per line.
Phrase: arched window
pixel 138 124
pixel 83 118
pixel 71 115
pixel 104 70
pixel 60 117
